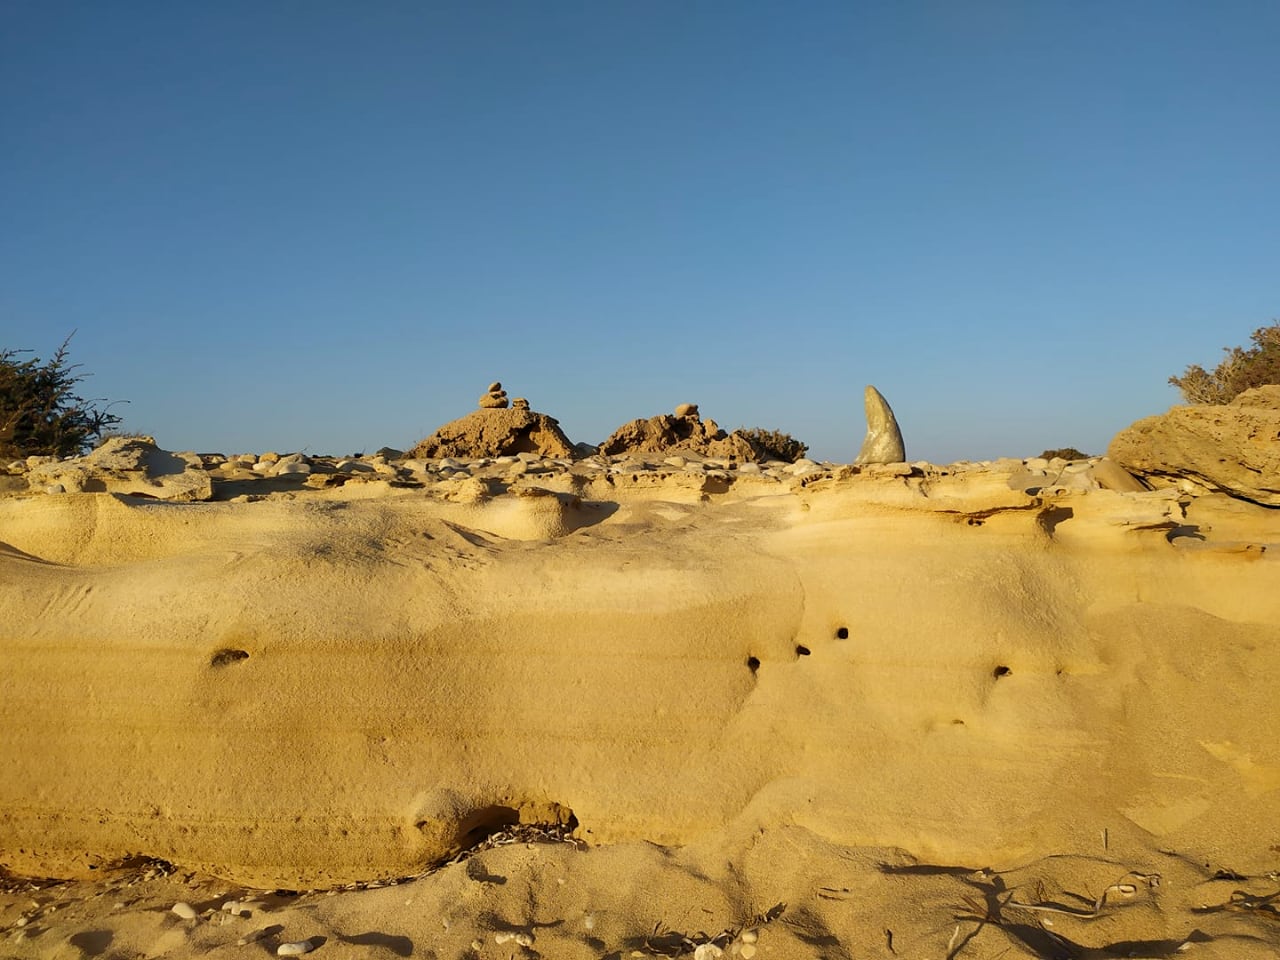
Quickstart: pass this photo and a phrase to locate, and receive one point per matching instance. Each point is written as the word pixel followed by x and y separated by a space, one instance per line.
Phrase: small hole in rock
pixel 1001 671
pixel 753 664
pixel 842 633
pixel 226 656
pixel 801 650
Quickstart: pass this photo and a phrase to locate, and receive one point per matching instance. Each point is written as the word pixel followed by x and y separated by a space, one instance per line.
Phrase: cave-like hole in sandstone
pixel 842 633
pixel 753 664
pixel 226 655
pixel 801 650
pixel 1001 671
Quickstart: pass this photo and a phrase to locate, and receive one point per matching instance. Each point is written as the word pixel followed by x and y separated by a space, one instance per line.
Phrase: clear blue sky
pixel 327 226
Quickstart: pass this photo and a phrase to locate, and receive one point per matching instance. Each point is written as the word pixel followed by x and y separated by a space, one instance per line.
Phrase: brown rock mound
pixel 496 432
pixel 666 433
pixel 1233 448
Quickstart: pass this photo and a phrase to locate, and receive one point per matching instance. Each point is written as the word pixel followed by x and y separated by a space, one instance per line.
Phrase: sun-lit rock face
pixel 1233 448
pixel 332 684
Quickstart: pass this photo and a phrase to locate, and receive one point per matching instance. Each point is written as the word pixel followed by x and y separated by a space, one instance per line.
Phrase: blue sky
pixel 327 226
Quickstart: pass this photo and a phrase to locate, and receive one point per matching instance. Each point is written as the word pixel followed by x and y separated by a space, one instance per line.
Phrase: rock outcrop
pixel 883 443
pixel 685 431
pixel 495 431
pixel 126 465
pixel 1231 448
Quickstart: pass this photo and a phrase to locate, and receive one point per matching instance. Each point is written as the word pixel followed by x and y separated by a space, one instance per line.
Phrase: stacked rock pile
pixel 496 398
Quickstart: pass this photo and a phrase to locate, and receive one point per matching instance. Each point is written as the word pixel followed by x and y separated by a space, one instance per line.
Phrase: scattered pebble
pixel 295 949
pixel 185 910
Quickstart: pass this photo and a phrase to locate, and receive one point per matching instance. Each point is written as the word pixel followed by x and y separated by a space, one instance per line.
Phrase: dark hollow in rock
pixel 225 656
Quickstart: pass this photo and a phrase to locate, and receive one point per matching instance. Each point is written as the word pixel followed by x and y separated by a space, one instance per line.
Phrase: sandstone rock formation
pixel 495 431
pixel 495 398
pixel 883 443
pixel 686 432
pixel 1232 448
pixel 127 465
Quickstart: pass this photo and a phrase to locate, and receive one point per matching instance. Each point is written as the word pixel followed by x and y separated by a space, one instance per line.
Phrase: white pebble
pixel 748 936
pixel 747 951
pixel 524 939
pixel 707 951
pixel 185 910
pixel 503 937
pixel 295 949
pixel 235 908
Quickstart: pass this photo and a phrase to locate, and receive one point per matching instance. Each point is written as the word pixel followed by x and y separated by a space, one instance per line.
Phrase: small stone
pixel 295 949
pixel 749 936
pixel 184 910
pixel 707 951
pixel 293 466
pixel 270 456
pixel 503 937
pixel 477 946
pixel 747 951
pixel 495 387
pixel 749 468
pixel 55 488
pixel 519 403
pixel 687 410
pixel 524 939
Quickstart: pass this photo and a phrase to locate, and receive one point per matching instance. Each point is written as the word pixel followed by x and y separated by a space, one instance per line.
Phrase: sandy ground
pixel 845 716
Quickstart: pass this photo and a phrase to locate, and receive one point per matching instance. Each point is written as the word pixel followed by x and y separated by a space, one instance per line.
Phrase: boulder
pixel 1231 448
pixel 883 442
pixel 128 465
pixel 665 433
pixel 496 432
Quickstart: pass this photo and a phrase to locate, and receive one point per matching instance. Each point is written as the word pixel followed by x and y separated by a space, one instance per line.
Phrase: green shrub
pixel 1066 453
pixel 1240 370
pixel 40 412
pixel 773 444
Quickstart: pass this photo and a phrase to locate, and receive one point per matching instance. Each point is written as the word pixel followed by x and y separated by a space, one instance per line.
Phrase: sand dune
pixel 894 704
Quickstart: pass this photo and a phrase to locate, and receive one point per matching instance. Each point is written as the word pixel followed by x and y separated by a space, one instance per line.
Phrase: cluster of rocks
pixel 1232 448
pixel 496 431
pixel 683 432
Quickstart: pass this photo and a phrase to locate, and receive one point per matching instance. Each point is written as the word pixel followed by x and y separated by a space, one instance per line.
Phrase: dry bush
pixel 1240 370
pixel 773 444
pixel 1066 453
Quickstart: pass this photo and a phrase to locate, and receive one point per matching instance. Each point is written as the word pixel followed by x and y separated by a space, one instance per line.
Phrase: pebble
pixel 293 466
pixel 675 462
pixel 55 488
pixel 749 468
pixel 236 908
pixel 524 939
pixel 747 951
pixel 295 949
pixel 748 936
pixel 185 910
pixel 707 951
